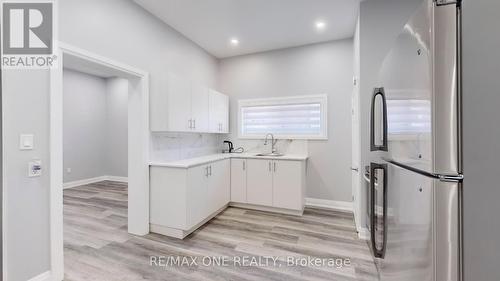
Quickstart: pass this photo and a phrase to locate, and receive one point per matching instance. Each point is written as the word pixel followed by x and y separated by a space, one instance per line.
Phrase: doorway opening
pixel 99 151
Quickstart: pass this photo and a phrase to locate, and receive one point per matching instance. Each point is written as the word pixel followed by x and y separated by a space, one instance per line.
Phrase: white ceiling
pixel 260 25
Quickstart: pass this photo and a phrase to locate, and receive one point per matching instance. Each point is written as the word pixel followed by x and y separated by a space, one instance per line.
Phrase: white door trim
pixel 138 148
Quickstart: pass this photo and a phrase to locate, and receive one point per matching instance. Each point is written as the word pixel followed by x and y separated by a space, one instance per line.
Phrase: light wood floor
pixel 98 247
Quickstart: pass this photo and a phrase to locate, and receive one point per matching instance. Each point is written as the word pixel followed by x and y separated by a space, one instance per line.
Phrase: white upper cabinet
pixel 219 112
pixel 181 105
pixel 199 108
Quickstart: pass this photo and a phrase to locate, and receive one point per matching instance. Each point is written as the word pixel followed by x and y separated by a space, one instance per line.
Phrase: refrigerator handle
pixel 373 146
pixel 378 253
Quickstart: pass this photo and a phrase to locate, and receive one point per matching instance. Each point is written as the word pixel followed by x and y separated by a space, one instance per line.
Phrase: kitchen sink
pixel 275 154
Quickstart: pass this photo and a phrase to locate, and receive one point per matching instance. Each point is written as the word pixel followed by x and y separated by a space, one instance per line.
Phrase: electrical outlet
pixel 35 168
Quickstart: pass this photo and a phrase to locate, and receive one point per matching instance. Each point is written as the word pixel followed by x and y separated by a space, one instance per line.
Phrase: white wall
pixel 116 151
pixel 118 29
pixel 314 69
pixel 26 211
pixel 84 125
pixel 94 126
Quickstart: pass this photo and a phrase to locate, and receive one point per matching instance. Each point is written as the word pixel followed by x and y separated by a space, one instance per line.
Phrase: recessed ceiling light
pixel 234 41
pixel 320 25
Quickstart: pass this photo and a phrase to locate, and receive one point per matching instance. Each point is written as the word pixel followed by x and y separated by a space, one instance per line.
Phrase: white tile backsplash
pixel 176 146
pixel 282 146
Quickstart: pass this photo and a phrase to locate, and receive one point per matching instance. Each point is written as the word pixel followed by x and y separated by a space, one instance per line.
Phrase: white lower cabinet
pixel 181 199
pixel 197 193
pixel 238 180
pixel 259 182
pixel 218 187
pixel 269 183
pixel 288 183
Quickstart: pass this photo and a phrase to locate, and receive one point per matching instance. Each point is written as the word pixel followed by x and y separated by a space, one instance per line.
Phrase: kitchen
pixel 252 140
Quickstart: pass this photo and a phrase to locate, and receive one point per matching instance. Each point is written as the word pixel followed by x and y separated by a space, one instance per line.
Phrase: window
pixel 303 117
pixel 409 117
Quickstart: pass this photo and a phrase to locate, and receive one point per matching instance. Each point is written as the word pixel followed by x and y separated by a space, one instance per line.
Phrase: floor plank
pixel 98 247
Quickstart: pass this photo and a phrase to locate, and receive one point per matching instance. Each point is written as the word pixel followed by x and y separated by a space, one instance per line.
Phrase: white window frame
pixel 322 99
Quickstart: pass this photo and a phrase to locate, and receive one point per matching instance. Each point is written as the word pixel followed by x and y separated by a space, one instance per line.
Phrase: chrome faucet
pixel 273 142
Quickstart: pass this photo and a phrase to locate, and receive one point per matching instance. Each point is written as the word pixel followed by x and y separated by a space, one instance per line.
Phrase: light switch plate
pixel 26 142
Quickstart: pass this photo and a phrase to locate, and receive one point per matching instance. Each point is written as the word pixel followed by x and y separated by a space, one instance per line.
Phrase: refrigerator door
pixel 420 219
pixel 420 80
pixel 409 221
pixel 406 76
pixel 421 225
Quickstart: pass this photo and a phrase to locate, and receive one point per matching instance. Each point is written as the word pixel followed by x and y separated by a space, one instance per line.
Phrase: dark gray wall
pixel 481 139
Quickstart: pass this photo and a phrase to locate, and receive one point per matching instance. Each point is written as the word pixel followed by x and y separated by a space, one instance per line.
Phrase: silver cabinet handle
pixel 194 123
pixel 210 169
pixel 274 164
pixel 206 171
pixel 269 166
pixel 244 165
pixel 190 123
pixel 354 169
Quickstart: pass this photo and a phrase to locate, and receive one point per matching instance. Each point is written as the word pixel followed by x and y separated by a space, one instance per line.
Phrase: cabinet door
pixel 224 117
pixel 196 195
pixel 199 108
pixel 238 180
pixel 218 112
pixel 259 182
pixel 218 185
pixel 287 184
pixel 179 104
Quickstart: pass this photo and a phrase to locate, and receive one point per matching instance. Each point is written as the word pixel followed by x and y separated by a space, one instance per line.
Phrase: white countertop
pixel 191 162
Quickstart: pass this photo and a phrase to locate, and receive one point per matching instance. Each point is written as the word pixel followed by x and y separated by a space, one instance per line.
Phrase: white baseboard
pixel 93 180
pixel 46 276
pixel 329 204
pixel 267 209
pixel 118 179
pixel 363 233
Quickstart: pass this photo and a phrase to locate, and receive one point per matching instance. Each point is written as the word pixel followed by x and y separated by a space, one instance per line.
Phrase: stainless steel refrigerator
pixel 416 174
